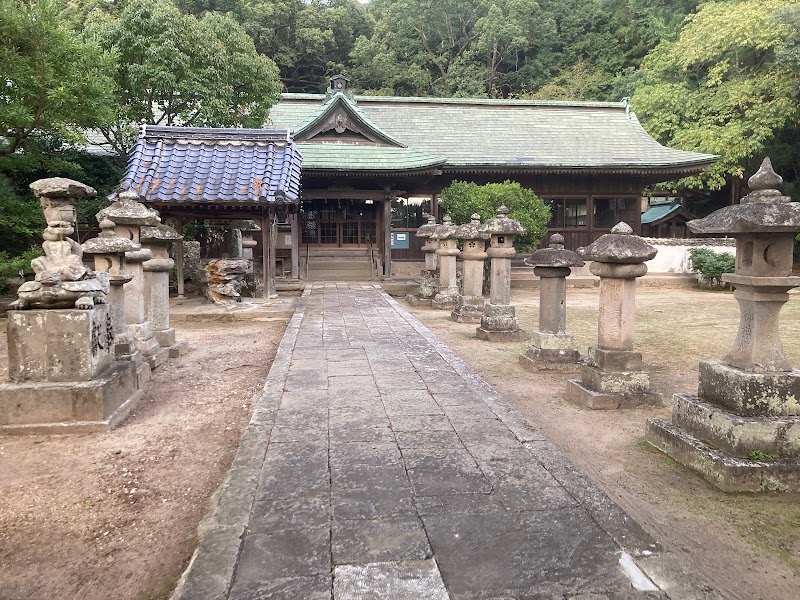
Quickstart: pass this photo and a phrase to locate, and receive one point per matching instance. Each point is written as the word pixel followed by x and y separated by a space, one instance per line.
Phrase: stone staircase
pixel 338 264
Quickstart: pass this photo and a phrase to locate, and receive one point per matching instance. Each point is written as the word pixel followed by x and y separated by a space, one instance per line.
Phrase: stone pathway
pixel 378 465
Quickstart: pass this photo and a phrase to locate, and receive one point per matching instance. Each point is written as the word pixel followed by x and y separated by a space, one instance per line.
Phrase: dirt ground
pixel 115 515
pixel 746 546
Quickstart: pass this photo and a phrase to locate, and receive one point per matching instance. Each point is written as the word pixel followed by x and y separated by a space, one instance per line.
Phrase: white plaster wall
pixel 675 259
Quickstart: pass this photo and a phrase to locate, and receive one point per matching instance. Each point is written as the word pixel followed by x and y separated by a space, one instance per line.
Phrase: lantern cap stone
pixel 425 231
pixel 555 255
pixel 764 209
pixel 445 231
pixel 61 187
pixel 159 233
pixel 502 225
pixel 620 246
pixel 127 210
pixel 474 230
pixel 108 242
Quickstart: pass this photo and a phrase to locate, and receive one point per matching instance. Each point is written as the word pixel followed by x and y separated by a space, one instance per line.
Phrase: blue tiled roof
pixel 176 165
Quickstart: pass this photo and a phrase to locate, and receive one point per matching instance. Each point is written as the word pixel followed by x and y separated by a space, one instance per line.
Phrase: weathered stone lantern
pixel 129 215
pixel 427 283
pixel 447 252
pixel 430 246
pixel 741 431
pixel 63 374
pixel 499 320
pixel 108 250
pixel 249 243
pixel 613 377
pixel 469 304
pixel 158 240
pixel 552 345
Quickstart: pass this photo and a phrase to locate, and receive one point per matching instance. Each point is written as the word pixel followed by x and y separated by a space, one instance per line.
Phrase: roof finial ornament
pixel 339 85
pixel 627 101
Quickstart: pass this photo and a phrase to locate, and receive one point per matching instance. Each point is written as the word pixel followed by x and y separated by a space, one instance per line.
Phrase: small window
pixel 566 212
pixel 610 211
pixel 409 212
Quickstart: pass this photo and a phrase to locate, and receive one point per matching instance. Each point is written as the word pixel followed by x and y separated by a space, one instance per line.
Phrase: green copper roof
pixel 477 134
pixel 349 108
pixel 661 210
pixel 355 157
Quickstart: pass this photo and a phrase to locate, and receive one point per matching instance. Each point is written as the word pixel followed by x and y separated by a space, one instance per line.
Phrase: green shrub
pixel 11 266
pixel 711 265
pixel 461 198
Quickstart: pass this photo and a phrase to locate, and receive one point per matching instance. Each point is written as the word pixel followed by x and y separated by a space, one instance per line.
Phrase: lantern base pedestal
pixel 728 473
pixel 607 400
pixel 541 359
pixel 444 300
pixel 418 301
pixel 166 339
pixel 69 407
pixel 468 309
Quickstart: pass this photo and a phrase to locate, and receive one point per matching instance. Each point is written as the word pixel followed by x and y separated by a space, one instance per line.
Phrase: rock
pixel 225 279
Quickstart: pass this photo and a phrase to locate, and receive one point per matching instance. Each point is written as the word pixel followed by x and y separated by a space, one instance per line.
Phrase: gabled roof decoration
pixel 178 165
pixel 341 114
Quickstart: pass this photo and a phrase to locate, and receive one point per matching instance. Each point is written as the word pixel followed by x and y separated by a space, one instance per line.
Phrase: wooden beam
pixel 273 234
pixel 294 221
pixel 179 257
pixel 264 222
pixel 387 237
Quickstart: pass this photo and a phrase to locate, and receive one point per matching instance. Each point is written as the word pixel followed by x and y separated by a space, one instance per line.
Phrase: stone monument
pixel 63 376
pixel 158 240
pixel 469 304
pixel 61 280
pixel 109 251
pixel 224 281
pixel 499 320
pixel 741 431
pixel 446 294
pixel 552 345
pixel 427 284
pixel 613 376
pixel 129 215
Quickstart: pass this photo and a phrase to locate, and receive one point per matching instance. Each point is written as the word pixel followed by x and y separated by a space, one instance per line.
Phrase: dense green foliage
pixel 461 199
pixel 51 81
pixel 727 86
pixel 711 265
pixel 174 68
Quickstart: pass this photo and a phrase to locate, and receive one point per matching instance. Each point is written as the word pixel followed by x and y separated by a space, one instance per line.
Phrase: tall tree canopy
pixel 728 85
pixel 51 81
pixel 176 68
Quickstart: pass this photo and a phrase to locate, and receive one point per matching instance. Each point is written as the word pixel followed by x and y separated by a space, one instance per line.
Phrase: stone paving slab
pixel 379 465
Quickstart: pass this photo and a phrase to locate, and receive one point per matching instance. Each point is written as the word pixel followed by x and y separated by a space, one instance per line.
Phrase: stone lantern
pixel 741 431
pixel 430 245
pixel 158 240
pixel 108 250
pixel 249 243
pixel 499 320
pixel 613 376
pixel 552 345
pixel 62 369
pixel 427 284
pixel 469 304
pixel 447 252
pixel 129 215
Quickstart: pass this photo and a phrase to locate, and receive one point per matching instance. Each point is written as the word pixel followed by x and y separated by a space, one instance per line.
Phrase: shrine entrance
pixel 339 223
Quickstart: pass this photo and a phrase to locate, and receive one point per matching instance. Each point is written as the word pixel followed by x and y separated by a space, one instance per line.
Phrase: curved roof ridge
pixel 340 100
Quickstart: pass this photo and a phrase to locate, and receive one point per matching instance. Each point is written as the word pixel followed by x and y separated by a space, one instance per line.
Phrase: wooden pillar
pixel 264 222
pixel 387 237
pixel 179 256
pixel 273 235
pixel 294 220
